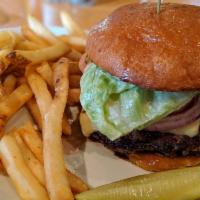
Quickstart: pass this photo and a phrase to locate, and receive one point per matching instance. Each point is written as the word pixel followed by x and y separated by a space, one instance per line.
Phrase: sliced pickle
pixel 181 184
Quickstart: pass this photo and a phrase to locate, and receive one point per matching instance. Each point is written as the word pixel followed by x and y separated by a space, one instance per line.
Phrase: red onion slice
pixel 178 120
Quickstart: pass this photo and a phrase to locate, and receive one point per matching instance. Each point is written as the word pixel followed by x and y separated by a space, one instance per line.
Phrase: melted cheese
pixel 190 130
pixel 86 125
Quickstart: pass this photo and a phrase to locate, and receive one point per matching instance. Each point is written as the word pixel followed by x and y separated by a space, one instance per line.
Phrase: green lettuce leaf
pixel 116 108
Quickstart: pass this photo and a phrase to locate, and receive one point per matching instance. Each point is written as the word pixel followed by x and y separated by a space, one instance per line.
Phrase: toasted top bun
pixel 154 51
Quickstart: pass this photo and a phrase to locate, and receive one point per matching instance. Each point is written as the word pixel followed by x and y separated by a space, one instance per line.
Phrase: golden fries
pixel 76 184
pixel 74 81
pixel 8 39
pixel 9 84
pixel 28 45
pixel 7 87
pixel 21 80
pixel 31 36
pixel 66 128
pixel 32 139
pixel 37 56
pixel 46 73
pixel 52 111
pixel 74 96
pixel 34 58
pixel 28 187
pixel 15 62
pixel 35 112
pixel 4 62
pixel 15 101
pixel 34 142
pixel 31 68
pixel 2 169
pixel 41 31
pixel 74 55
pixel 34 165
pixel 39 87
pixel 72 27
pixel 75 42
pixel 2 92
pixel 74 68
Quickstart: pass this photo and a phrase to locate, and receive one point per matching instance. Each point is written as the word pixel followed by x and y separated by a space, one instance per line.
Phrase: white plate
pixel 92 162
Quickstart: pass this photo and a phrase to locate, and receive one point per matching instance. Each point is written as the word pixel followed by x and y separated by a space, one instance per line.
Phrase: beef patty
pixel 151 142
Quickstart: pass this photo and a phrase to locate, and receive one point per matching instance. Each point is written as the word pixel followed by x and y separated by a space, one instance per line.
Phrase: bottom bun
pixel 156 162
pixel 127 147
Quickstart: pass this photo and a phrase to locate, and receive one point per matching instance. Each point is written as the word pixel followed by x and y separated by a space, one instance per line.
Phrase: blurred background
pixel 85 12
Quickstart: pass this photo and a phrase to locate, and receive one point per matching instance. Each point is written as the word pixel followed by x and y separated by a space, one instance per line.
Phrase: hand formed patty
pixel 152 142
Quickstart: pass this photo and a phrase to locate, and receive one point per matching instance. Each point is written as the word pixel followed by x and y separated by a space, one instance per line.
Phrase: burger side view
pixel 141 81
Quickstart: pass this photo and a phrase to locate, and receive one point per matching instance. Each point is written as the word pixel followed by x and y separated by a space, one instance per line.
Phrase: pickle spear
pixel 181 184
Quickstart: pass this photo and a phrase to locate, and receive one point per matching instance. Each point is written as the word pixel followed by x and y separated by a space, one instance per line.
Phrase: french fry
pixel 41 30
pixel 34 142
pixel 40 90
pixel 52 111
pixel 74 68
pixel 75 42
pixel 8 39
pixel 21 80
pixel 66 128
pixel 46 73
pixel 15 101
pixel 2 169
pixel 32 139
pixel 28 45
pixel 28 187
pixel 32 162
pixel 2 92
pixel 72 27
pixel 37 56
pixel 31 36
pixel 15 62
pixel 4 62
pixel 76 184
pixel 9 84
pixel 74 81
pixel 35 112
pixel 74 55
pixel 74 96
pixel 31 68
pixel 7 87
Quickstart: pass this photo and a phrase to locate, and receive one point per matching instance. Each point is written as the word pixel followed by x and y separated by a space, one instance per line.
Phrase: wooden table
pixel 13 13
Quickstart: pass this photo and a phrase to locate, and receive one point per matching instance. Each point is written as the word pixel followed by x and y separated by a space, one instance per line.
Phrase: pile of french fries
pixel 40 71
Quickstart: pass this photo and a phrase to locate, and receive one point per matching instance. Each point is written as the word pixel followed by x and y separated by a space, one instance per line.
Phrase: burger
pixel 140 86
